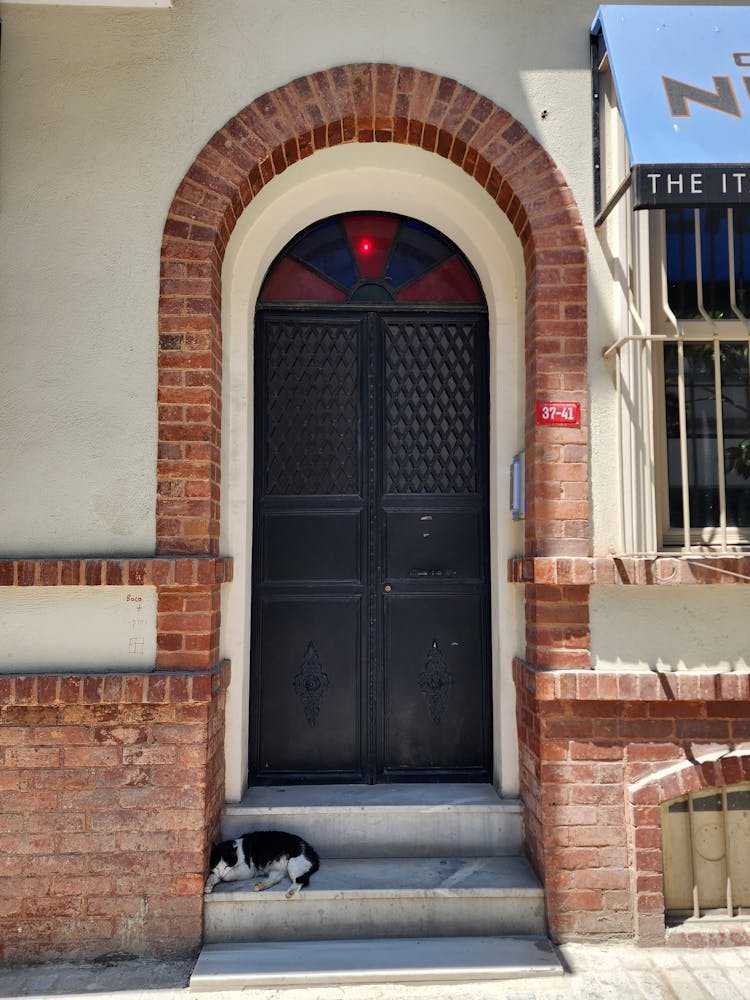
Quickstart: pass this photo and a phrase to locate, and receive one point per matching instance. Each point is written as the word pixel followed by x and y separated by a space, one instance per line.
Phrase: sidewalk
pixel 594 972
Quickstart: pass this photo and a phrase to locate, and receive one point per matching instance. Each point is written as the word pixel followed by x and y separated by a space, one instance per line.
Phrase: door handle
pixel 420 573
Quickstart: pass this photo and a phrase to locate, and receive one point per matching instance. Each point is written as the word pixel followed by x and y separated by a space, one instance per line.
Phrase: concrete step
pixel 354 821
pixel 384 898
pixel 405 960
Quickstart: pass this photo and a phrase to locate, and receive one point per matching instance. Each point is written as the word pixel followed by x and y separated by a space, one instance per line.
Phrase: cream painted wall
pixel 670 628
pixel 102 113
pixel 77 629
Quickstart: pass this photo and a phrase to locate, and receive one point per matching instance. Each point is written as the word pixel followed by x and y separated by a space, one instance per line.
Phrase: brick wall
pixel 110 790
pixel 112 785
pixel 603 752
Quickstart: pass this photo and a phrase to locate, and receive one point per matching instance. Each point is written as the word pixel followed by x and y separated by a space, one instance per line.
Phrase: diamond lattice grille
pixel 312 409
pixel 430 432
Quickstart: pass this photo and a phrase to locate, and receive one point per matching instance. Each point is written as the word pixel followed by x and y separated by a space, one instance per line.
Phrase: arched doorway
pixel 371 637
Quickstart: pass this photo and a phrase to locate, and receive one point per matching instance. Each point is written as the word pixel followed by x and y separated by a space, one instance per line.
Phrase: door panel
pixel 309 716
pixel 311 415
pixel 428 543
pixel 434 683
pixel 315 545
pixel 431 425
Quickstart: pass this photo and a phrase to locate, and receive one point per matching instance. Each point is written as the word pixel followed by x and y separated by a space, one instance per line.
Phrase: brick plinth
pixel 599 754
pixel 111 788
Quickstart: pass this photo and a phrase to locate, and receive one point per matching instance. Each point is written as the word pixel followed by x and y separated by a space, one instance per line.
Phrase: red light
pixel 365 246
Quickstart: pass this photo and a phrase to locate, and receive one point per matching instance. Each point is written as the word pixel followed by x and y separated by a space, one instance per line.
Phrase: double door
pixel 370 618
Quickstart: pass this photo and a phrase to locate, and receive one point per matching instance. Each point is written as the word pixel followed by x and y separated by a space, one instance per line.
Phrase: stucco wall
pixel 670 628
pixel 75 628
pixel 102 113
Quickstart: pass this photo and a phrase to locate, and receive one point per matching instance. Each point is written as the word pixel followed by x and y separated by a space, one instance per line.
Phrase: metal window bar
pixel 693 858
pixel 717 380
pixel 727 852
pixel 618 431
pixel 732 273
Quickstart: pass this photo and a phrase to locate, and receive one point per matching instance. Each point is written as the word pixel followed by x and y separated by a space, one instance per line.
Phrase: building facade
pixel 158 167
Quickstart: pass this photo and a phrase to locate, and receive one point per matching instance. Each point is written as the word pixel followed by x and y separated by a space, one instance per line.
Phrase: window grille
pixel 706 845
pixel 682 377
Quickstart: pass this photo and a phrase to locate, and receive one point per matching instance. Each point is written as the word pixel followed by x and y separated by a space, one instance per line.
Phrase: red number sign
pixel 559 414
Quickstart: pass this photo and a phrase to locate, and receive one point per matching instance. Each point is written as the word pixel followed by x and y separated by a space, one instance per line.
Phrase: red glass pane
pixel 371 236
pixel 290 281
pixel 449 282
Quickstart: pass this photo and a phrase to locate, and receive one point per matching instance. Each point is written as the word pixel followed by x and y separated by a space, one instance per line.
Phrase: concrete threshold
pixel 387 796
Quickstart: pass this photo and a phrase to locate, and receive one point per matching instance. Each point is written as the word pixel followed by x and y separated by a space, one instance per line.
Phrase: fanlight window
pixel 371 257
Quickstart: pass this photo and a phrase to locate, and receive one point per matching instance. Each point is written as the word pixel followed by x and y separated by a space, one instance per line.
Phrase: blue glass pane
pixel 417 248
pixel 325 248
pixel 681 265
pixel 742 259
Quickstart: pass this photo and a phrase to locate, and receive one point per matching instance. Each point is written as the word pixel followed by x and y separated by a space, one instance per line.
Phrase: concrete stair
pixel 405 960
pixel 370 821
pixel 416 883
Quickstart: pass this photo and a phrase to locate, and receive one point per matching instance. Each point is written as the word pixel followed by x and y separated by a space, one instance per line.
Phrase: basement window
pixel 706 843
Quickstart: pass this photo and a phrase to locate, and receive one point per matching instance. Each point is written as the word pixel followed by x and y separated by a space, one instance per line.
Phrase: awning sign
pixel 682 79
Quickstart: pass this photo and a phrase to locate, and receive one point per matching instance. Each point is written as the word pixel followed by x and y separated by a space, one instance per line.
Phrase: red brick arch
pixel 368 103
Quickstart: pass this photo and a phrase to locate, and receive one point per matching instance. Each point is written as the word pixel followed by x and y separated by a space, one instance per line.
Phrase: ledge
pixel 155 687
pixel 658 570
pixel 149 571
pixel 598 685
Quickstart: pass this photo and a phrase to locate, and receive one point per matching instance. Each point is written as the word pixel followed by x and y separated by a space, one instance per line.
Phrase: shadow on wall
pixel 668 628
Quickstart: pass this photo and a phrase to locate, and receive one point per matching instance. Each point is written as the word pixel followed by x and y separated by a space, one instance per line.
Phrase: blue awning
pixel 682 79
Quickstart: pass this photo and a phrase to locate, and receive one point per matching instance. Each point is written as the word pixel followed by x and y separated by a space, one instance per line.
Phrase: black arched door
pixel 370 634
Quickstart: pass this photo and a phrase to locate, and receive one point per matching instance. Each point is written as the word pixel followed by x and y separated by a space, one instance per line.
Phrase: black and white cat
pixel 271 853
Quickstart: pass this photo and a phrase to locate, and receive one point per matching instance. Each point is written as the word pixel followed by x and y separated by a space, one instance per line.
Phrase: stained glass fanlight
pixel 371 257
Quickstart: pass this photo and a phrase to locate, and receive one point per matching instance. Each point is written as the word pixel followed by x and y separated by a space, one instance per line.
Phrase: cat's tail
pixel 312 856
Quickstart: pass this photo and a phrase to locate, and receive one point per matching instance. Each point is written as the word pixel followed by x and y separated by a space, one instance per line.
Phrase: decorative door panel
pixel 309 686
pixel 434 706
pixel 311 414
pixel 430 413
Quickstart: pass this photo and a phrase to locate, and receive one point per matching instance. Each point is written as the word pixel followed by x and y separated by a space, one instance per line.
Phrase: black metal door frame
pixel 376 588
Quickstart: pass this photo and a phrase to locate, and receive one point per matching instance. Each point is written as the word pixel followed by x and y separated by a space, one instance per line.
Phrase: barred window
pixel 704 411
pixel 682 374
